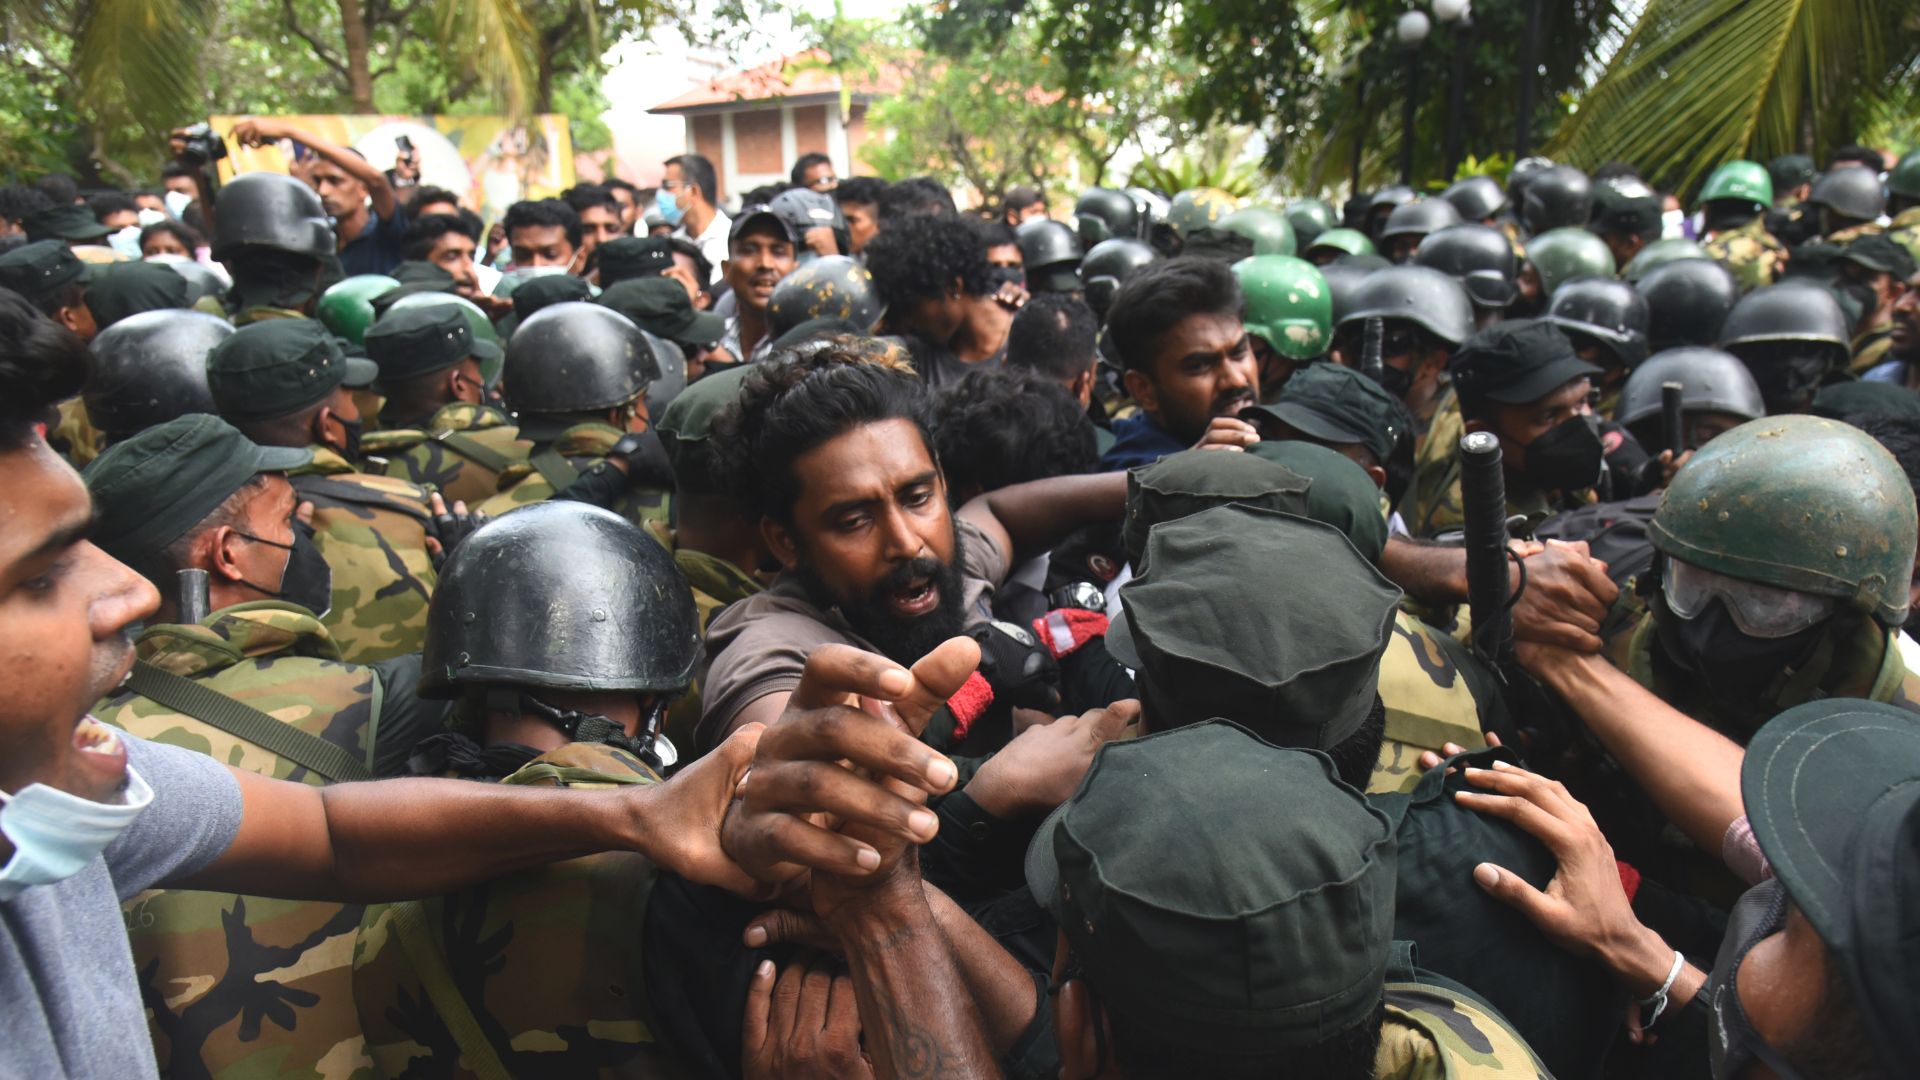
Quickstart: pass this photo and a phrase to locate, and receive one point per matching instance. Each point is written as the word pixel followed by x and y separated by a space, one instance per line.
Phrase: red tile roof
pixel 788 77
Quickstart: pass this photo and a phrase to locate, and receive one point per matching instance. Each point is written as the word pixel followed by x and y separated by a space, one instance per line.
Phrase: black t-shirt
pixel 378 248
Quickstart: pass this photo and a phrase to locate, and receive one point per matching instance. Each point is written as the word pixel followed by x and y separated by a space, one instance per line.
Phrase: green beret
pixel 416 340
pixel 150 489
pixel 40 269
pixel 277 367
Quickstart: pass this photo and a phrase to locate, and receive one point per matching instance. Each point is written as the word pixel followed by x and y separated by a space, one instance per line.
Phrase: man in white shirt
pixel 686 199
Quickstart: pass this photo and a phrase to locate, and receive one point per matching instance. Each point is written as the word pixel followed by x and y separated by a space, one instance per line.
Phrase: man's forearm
pixel 1428 572
pixel 916 1011
pixel 1036 515
pixel 353 165
pixel 1002 990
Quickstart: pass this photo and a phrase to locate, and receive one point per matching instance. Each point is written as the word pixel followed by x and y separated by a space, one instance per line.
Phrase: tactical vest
pixel 462 451
pixel 237 985
pixel 372 530
pixel 1905 230
pixel 555 466
pixel 537 973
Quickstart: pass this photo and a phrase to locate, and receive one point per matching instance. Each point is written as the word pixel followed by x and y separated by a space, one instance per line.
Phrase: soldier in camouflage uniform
pixel 561 632
pixel 150 368
pixel 285 382
pixel 577 377
pixel 1849 201
pixel 271 233
pixel 242 984
pixel 1903 202
pixel 1734 203
pixel 1875 269
pixel 437 431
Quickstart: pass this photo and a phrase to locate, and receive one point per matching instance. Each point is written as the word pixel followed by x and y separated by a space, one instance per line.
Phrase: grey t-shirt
pixel 69 1002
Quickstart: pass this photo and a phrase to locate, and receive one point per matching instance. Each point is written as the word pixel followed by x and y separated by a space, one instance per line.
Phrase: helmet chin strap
pixel 649 745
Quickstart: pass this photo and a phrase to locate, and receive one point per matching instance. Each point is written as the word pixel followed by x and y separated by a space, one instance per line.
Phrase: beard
pixel 904 639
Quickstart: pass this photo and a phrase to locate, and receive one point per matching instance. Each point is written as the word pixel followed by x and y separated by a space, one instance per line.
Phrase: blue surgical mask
pixel 669 208
pixel 55 835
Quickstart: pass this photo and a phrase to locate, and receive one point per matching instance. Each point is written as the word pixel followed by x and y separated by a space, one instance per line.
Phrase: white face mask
pixel 55 835
pixel 126 241
pixel 177 202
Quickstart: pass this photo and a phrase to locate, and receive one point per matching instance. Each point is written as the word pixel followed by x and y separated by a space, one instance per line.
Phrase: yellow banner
pixel 483 159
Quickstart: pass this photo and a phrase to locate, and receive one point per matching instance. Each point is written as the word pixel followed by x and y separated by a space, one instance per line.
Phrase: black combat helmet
pixel 1710 381
pixel 149 368
pixel 1479 257
pixel 1611 312
pixel 269 210
pixel 1687 302
pixel 1559 196
pixel 1108 266
pixel 1103 214
pixel 1051 253
pixel 1477 198
pixel 1419 295
pixel 577 357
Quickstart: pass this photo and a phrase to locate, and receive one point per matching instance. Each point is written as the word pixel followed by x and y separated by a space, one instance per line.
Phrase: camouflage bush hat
pixel 66 223
pixel 149 490
pixel 1219 890
pixel 414 341
pixel 536 293
pixel 627 257
pixel 1267 619
pixel 276 367
pixel 661 307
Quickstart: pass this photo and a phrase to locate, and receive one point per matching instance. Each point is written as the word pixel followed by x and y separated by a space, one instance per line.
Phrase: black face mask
pixel 1394 381
pixel 1567 457
pixel 998 276
pixel 353 430
pixel 1733 667
pixel 1787 382
pixel 307 579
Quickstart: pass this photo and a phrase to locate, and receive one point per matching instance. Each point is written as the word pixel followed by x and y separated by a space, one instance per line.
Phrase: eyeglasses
pixel 1761 611
pixel 672 185
pixel 825 183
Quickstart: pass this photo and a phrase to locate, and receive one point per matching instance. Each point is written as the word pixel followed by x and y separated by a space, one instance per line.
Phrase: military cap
pixel 1626 205
pixel 40 269
pixel 1881 253
pixel 122 289
pixel 1190 481
pixel 1832 790
pixel 150 489
pixel 1342 494
pixel 1268 619
pixel 1339 405
pixel 661 307
pixel 415 276
pixel 68 223
pixel 277 367
pixel 626 257
pixel 687 422
pixel 1516 362
pixel 536 293
pixel 1789 171
pixel 761 214
pixel 1218 891
pixel 416 340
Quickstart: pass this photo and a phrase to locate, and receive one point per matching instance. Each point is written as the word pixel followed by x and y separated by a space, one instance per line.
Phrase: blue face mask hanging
pixel 55 835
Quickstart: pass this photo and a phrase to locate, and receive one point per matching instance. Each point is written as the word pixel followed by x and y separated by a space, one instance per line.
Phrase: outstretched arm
pixel 1027 519
pixel 256 131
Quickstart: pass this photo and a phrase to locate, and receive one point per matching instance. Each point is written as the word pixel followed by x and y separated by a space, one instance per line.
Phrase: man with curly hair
pixel 932 272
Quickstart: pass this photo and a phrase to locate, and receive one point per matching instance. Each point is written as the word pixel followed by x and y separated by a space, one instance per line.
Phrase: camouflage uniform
pixel 461 451
pixel 1433 1032
pixel 75 436
pixel 372 530
pixel 716 583
pixel 1870 348
pixel 574 451
pixel 1905 230
pixel 246 985
pixel 537 973
pixel 1436 496
pixel 1435 693
pixel 1750 253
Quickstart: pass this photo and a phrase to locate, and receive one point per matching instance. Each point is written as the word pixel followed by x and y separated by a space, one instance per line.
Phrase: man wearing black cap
pixel 437 430
pixel 53 280
pixel 75 226
pixel 195 494
pixel 1339 408
pixel 761 249
pixel 285 382
pixel 1626 214
pixel 1875 269
pixel 627 257
pixel 1522 381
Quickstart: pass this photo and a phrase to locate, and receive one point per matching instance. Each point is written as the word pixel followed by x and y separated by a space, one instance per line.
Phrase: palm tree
pixel 1701 82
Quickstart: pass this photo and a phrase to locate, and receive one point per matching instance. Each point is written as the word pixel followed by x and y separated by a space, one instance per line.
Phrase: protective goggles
pixel 1761 611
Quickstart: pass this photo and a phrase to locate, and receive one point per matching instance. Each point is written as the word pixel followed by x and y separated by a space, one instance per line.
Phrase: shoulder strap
pixel 476 1051
pixel 473 450
pixel 553 465
pixel 243 721
pixel 340 491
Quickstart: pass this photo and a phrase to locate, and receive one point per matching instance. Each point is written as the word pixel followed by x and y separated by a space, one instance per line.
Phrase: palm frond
pixel 497 42
pixel 137 61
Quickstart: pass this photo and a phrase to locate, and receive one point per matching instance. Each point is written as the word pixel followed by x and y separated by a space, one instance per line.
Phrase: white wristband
pixel 1658 1000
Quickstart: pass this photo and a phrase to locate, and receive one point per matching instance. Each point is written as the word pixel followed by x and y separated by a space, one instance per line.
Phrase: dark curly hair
pixel 1007 426
pixel 1155 300
pixel 41 364
pixel 799 399
pixel 917 258
pixel 915 196
pixel 543 212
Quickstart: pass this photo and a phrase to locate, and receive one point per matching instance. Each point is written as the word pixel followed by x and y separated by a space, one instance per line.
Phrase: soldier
pixel 1875 269
pixel 1522 381
pixel 1780 583
pixel 1555 197
pixel 1267 229
pixel 1849 202
pixel 1688 301
pixel 1411 223
pixel 1107 266
pixel 836 287
pixel 1481 259
pixel 1665 250
pixel 149 369
pixel 1425 316
pixel 1626 216
pixel 1478 199
pixel 51 279
pixel 1794 339
pixel 1336 244
pixel 1717 394
pixel 625 258
pixel 1343 410
pixel 1381 205
pixel 285 382
pixel 1103 214
pixel 272 235
pixel 1309 218
pixel 672 319
pixel 1051 253
pixel 577 377
pixel 257 683
pixel 121 290
pixel 1200 208
pixel 439 432
pixel 1733 206
pixel 1288 316
pixel 561 633
pixel 1555 258
pixel 1607 323
pixel 1903 202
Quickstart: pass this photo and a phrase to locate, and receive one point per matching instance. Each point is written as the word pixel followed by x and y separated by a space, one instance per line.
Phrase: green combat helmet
pixel 1742 181
pixel 1667 249
pixel 477 321
pixel 1561 255
pixel 1904 180
pixel 347 307
pixel 1269 229
pixel 1341 242
pixel 1761 504
pixel 1288 304
pixel 1200 208
pixel 830 287
pixel 1309 218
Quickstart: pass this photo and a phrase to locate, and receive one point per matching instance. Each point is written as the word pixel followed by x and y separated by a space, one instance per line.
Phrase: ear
pixel 1141 389
pixel 218 548
pixel 1083 383
pixel 1379 476
pixel 318 430
pixel 70 317
pixel 779 540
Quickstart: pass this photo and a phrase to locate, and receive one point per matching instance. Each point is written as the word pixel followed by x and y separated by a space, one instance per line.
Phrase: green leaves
pixel 138 61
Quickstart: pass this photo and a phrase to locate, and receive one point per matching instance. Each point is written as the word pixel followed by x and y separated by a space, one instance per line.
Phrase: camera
pixel 200 147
